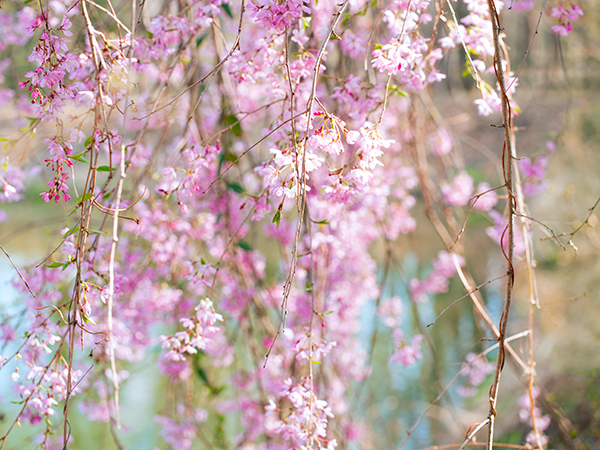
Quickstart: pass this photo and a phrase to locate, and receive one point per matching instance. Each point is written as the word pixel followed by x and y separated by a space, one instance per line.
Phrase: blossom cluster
pixel 306 423
pixel 197 335
pixel 444 268
pixel 542 421
pixel 565 18
pixel 476 371
pixel 406 352
pixel 408 56
pixel 534 172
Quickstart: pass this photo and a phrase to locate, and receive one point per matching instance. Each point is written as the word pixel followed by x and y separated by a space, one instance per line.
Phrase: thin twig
pixel 111 285
pixel 537 26
pixel 468 294
pixel 245 152
pixel 478 444
pixel 473 432
pixel 467 364
pixel 214 70
pixel 550 230
pixel 509 155
pixel 462 41
pixel 301 170
pixel 473 200
pixel 18 271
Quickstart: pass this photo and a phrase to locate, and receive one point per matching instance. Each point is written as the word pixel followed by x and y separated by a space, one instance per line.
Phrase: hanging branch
pixel 508 153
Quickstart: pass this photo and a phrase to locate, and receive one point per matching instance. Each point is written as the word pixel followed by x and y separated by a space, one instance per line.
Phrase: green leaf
pixel 70 232
pixel 199 40
pixel 225 156
pixel 70 214
pixel 233 121
pixel 84 197
pixel 308 287
pixel 316 362
pixel 323 222
pixel 236 187
pixel 217 390
pixel 103 169
pixel 53 265
pixel 88 141
pixel 202 261
pixel 97 232
pixel 395 89
pixel 79 157
pixel 277 218
pixel 229 157
pixel 227 10
pixel 244 245
pixel 202 375
pixel 87 319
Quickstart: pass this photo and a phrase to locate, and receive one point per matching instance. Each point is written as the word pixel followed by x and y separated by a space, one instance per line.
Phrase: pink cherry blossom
pixel 459 191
